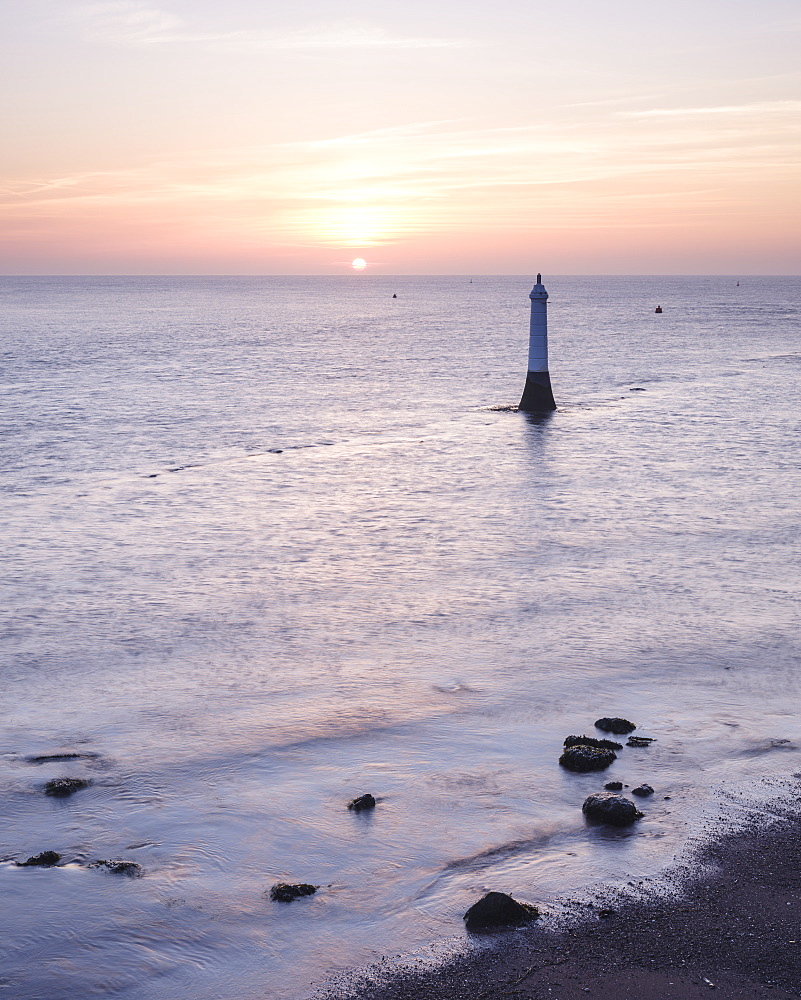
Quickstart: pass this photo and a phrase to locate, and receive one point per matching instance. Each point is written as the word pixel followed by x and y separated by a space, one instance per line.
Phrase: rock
pixel 61 787
pixel 362 802
pixel 613 786
pixel 282 892
pixel 44 860
pixel 642 790
pixel 617 726
pixel 614 810
pixel 584 758
pixel 640 741
pixel 43 758
pixel 129 868
pixel 590 741
pixel 497 909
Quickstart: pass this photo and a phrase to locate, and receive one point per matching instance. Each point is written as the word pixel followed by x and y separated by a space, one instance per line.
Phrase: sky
pixel 425 137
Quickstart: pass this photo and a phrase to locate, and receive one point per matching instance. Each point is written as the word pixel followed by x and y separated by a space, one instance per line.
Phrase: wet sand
pixel 732 930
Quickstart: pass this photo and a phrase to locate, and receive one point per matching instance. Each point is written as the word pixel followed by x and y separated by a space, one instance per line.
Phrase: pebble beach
pixel 727 924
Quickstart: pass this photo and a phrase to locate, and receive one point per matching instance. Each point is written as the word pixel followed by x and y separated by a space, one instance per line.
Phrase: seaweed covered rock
pixel 614 810
pixel 640 741
pixel 283 892
pixel 614 786
pixel 586 758
pixel 366 801
pixel 642 790
pixel 591 741
pixel 129 868
pixel 617 726
pixel 496 910
pixel 62 787
pixel 47 859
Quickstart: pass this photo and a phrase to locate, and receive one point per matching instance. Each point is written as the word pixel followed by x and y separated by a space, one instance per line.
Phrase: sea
pixel 271 543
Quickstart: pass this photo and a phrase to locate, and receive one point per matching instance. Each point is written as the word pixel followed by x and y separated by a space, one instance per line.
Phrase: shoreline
pixel 733 925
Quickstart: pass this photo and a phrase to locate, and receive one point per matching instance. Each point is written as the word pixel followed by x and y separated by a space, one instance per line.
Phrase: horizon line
pixel 361 276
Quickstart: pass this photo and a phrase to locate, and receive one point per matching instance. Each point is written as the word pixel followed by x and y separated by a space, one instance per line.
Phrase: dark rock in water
pixel 61 787
pixel 617 726
pixel 642 790
pixel 43 758
pixel 363 802
pixel 615 810
pixel 640 741
pixel 44 860
pixel 282 892
pixel 584 758
pixel 497 909
pixel 591 741
pixel 613 786
pixel 129 868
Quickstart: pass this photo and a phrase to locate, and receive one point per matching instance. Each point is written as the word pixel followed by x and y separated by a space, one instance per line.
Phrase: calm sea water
pixel 271 543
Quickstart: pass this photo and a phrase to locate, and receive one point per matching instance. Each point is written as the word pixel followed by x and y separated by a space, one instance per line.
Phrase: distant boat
pixel 658 309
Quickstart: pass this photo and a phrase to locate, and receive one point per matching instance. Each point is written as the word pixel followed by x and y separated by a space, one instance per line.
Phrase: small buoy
pixel 394 296
pixel 658 309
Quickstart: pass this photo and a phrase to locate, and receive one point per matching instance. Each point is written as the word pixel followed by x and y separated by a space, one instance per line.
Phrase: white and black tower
pixel 538 395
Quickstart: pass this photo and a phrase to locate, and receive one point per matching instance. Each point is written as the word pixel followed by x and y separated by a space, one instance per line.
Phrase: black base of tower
pixel 537 395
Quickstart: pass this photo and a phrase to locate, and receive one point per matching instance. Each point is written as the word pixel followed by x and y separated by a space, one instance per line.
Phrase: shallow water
pixel 270 543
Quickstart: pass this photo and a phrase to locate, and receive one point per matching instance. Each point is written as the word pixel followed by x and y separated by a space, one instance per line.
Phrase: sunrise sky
pixel 246 137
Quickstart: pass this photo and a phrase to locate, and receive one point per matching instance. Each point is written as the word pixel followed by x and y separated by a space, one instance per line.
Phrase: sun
pixel 359 264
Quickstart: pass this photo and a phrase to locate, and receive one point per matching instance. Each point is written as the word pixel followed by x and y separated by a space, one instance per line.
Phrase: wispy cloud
pixel 138 24
pixel 126 21
pixel 729 110
pixel 370 188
